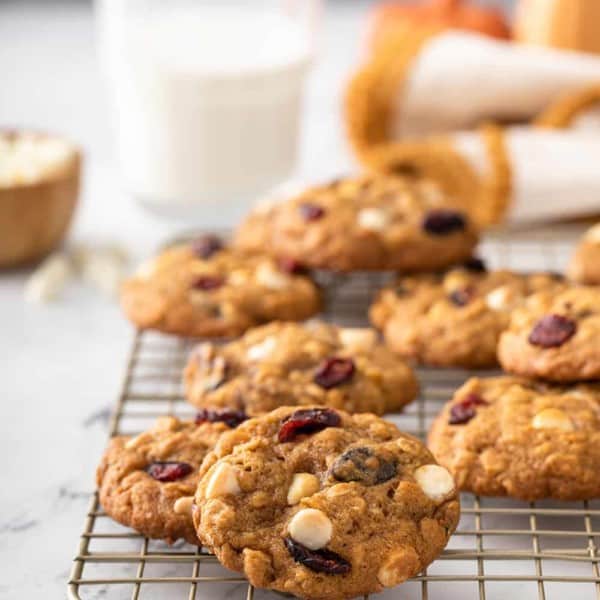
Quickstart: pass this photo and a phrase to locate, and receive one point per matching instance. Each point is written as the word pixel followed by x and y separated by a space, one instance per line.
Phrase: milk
pixel 206 100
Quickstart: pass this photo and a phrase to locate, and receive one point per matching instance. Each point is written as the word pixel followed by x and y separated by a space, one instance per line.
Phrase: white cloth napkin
pixel 460 79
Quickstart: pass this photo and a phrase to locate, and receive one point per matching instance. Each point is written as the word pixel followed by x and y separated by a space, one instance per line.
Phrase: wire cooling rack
pixel 543 550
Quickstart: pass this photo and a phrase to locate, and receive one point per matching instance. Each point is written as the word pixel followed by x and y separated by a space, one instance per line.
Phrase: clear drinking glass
pixel 206 97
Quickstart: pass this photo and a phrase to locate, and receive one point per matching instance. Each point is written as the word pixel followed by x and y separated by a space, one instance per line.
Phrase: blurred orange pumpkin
pixel 569 24
pixel 450 14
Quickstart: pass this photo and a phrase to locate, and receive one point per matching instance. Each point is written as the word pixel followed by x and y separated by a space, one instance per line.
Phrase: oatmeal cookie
pixel 506 436
pixel 287 364
pixel 324 505
pixel 147 482
pixel 373 222
pixel 454 319
pixel 585 264
pixel 555 337
pixel 204 289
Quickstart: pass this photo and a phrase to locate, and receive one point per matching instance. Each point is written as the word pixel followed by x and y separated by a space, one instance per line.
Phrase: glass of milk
pixel 206 98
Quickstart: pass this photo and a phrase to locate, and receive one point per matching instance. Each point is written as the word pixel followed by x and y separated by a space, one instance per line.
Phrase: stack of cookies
pixel 288 473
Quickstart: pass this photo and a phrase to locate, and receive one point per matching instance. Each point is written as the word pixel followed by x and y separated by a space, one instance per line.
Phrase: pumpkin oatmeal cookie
pixel 285 364
pixel 555 336
pixel 372 222
pixel 324 505
pixel 147 482
pixel 506 436
pixel 206 289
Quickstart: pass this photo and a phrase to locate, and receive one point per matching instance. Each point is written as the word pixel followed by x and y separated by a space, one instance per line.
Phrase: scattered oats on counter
pixel 103 266
pixel 47 282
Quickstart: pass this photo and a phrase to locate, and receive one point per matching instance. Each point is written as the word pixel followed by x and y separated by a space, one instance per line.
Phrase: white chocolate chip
pixel 358 338
pixel 311 528
pixel 146 269
pixel 502 298
pixel 223 481
pixel 372 219
pixel 103 269
pixel 264 207
pixel 593 234
pixel 49 279
pixel 552 418
pixel 271 278
pixel 435 481
pixel 303 484
pixel 183 505
pixel 262 349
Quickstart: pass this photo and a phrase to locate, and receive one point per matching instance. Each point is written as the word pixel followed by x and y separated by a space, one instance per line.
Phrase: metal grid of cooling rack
pixel 502 547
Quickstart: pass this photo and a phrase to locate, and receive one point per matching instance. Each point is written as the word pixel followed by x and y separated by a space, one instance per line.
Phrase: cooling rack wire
pixel 543 550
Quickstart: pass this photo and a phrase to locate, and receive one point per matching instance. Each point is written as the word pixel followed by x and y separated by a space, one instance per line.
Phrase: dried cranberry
pixel 307 420
pixel 363 465
pixel 552 331
pixel 334 371
pixel 207 283
pixel 462 412
pixel 321 561
pixel 232 418
pixel 443 222
pixel 168 471
pixel 311 212
pixel 475 265
pixel 461 297
pixel 291 266
pixel 207 245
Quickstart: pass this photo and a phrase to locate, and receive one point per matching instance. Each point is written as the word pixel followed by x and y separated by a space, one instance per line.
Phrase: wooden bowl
pixel 35 212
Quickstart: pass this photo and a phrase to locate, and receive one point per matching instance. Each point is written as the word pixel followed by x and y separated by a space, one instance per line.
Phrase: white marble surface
pixel 61 364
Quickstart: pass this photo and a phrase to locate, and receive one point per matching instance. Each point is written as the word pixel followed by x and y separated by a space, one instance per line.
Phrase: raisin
pixel 475 265
pixel 552 331
pixel 334 371
pixel 443 222
pixel 462 412
pixel 320 561
pixel 291 266
pixel 461 297
pixel 364 466
pixel 168 471
pixel 207 283
pixel 307 420
pixel 207 245
pixel 311 212
pixel 231 417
